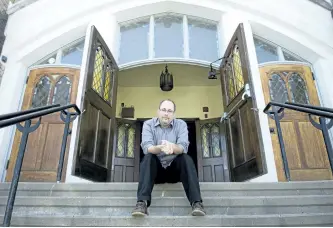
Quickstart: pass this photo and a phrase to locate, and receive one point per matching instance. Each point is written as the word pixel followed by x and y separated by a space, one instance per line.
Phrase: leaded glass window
pixel 62 91
pixel 298 89
pixel 42 91
pixel 125 140
pixel 210 140
pixel 265 51
pixel 278 89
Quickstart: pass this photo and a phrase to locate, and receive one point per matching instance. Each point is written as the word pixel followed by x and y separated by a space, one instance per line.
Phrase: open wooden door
pixel 97 124
pixel 242 127
pixel 45 86
pixel 305 147
pixel 126 152
pixel 211 152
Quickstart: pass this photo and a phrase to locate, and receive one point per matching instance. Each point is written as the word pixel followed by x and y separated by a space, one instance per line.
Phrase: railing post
pixel 325 127
pixel 26 130
pixel 277 119
pixel 67 119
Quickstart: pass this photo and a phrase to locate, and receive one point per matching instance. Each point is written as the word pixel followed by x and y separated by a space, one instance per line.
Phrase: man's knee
pixel 186 158
pixel 149 157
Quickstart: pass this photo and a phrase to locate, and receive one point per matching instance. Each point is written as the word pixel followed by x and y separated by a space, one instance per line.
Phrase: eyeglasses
pixel 167 111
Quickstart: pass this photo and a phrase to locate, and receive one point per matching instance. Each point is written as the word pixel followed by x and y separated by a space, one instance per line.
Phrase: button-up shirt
pixel 153 134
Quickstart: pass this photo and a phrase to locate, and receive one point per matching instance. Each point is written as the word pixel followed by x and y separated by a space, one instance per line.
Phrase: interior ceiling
pixel 183 75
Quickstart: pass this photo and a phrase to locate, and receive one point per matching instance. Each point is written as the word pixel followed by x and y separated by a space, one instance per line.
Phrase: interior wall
pixel 189 100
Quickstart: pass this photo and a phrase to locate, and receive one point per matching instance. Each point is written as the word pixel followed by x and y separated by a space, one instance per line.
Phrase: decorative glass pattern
pixel 277 89
pixel 216 145
pixel 168 36
pixel 210 140
pixel 205 142
pixel 202 31
pixel 97 84
pixel 125 140
pixel 41 93
pixel 108 83
pixel 121 141
pixel 103 75
pixel 238 72
pixel 134 36
pixel 62 91
pixel 130 142
pixel 298 90
pixel 230 82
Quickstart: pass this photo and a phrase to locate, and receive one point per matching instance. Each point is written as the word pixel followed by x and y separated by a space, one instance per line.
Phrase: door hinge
pixel 313 76
pixel 27 79
pixel 7 165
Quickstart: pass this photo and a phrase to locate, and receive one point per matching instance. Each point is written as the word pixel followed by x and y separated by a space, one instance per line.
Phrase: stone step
pixel 316 219
pixel 168 206
pixel 207 189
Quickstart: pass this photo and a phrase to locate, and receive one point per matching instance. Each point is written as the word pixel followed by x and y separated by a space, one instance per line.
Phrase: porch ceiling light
pixel 166 80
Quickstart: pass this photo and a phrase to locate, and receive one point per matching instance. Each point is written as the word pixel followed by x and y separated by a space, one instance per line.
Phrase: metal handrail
pixel 314 110
pixel 21 113
pixel 321 112
pixel 16 118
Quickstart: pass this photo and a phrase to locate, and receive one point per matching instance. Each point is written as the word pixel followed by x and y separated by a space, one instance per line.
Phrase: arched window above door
pixel 168 35
pixel 270 52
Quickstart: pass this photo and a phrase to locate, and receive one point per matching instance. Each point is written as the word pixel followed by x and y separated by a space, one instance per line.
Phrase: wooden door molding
pixel 126 168
pixel 43 146
pixel 211 168
pixel 305 148
pixel 244 138
pixel 97 123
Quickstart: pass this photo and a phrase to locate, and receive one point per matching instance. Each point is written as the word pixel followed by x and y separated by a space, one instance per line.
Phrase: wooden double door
pixel 228 149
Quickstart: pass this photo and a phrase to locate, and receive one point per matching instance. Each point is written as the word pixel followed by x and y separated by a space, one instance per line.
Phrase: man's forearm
pixel 154 150
pixel 177 149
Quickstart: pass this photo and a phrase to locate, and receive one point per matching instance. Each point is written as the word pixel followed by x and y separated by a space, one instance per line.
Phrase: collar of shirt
pixel 157 122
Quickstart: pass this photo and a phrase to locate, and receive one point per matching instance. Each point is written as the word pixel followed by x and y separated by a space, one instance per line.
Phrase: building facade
pixel 273 52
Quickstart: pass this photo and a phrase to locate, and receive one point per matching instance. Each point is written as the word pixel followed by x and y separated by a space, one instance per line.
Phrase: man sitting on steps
pixel 165 144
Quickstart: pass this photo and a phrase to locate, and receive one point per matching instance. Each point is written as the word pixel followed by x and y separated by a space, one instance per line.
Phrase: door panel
pixel 211 151
pixel 97 122
pixel 126 151
pixel 243 141
pixel 46 86
pixel 305 148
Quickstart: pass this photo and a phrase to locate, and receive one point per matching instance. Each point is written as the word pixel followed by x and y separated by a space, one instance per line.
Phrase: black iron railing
pixel 26 129
pixel 275 111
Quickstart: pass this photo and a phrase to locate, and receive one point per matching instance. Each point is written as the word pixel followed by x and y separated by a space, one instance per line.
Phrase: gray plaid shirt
pixel 153 133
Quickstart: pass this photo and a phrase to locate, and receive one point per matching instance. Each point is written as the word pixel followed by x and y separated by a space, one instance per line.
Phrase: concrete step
pixel 172 190
pixel 177 221
pixel 168 206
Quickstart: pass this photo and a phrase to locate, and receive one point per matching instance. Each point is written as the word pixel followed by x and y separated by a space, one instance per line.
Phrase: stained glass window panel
pixel 298 90
pixel 41 93
pixel 62 91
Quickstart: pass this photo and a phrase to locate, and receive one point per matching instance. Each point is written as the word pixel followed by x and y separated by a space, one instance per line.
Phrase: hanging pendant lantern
pixel 166 80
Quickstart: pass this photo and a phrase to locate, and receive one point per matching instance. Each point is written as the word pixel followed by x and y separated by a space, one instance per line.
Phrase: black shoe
pixel 140 209
pixel 198 209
